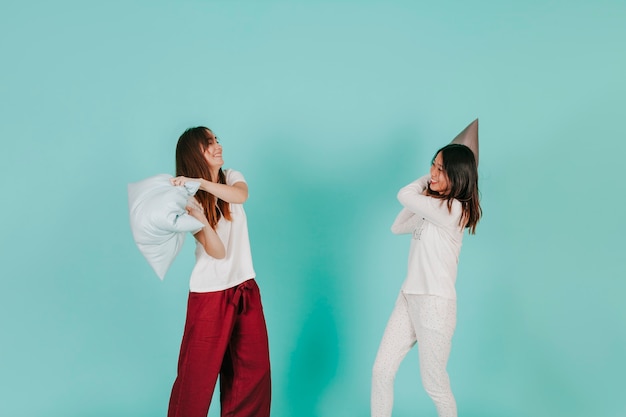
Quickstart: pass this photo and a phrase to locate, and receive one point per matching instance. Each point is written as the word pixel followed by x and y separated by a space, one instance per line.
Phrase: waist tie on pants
pixel 240 298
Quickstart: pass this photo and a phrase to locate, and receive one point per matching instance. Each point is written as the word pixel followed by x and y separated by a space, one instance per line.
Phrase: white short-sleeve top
pixel 211 274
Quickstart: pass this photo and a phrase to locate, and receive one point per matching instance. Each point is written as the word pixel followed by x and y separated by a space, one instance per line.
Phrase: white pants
pixel 428 321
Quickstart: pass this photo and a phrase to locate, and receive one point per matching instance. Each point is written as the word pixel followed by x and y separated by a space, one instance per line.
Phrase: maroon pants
pixel 225 335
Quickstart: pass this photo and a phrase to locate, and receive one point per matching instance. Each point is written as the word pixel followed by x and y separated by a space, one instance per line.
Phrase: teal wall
pixel 328 108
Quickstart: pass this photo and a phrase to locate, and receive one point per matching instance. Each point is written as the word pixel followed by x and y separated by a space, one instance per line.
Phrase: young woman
pixel 437 209
pixel 225 332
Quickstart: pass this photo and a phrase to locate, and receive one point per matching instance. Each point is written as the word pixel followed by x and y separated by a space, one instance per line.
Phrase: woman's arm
pixel 236 193
pixel 433 209
pixel 405 222
pixel 208 237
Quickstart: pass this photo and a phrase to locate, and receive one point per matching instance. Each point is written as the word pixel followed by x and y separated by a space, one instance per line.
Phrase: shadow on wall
pixel 309 250
pixel 314 360
pixel 312 221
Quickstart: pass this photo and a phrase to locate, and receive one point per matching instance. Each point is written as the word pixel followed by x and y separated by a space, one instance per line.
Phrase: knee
pixel 437 386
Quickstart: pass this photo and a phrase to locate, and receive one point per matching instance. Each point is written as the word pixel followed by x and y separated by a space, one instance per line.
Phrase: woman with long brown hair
pixel 225 332
pixel 437 209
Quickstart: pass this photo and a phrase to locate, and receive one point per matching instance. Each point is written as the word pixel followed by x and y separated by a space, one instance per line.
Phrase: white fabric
pixel 159 220
pixel 435 244
pixel 430 321
pixel 211 274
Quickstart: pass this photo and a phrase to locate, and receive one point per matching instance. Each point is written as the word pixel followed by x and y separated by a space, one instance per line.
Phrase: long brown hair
pixel 190 162
pixel 460 167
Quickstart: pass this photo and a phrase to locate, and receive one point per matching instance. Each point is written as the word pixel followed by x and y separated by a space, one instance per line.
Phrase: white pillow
pixel 159 220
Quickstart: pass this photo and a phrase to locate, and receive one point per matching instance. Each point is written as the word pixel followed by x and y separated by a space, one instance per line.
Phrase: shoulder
pixel 233 176
pixel 457 208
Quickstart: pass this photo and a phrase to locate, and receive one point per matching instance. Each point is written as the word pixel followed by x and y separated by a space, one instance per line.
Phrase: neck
pixel 215 175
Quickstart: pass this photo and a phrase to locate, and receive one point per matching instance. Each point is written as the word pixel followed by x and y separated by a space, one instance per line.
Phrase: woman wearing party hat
pixel 438 207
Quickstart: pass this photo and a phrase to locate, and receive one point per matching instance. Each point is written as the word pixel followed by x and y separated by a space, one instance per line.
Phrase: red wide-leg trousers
pixel 225 334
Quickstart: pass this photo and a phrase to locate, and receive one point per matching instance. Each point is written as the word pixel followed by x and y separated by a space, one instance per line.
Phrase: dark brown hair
pixel 190 162
pixel 459 164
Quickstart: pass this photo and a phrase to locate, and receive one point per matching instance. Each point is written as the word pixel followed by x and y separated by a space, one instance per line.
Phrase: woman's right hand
pixel 181 180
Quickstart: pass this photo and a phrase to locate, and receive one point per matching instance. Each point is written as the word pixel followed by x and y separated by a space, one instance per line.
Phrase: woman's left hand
pixel 197 211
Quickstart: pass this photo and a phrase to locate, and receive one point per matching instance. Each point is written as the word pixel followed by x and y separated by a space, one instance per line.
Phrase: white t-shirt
pixel 436 240
pixel 211 274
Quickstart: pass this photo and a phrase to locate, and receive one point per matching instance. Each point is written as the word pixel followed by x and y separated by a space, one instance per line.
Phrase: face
pixel 213 153
pixel 438 177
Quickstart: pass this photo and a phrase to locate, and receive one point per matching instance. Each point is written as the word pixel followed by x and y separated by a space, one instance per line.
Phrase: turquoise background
pixel 328 108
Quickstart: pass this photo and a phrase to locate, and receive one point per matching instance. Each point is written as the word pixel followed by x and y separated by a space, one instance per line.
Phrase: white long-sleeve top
pixel 436 241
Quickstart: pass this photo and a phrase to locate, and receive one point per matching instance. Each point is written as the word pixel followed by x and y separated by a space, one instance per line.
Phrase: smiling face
pixel 213 153
pixel 438 177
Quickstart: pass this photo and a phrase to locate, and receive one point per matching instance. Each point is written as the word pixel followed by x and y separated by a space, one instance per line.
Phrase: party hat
pixel 469 138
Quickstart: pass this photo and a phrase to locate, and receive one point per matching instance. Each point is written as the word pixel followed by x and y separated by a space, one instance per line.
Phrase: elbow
pixel 241 198
pixel 217 253
pixel 401 196
pixel 239 194
pixel 220 253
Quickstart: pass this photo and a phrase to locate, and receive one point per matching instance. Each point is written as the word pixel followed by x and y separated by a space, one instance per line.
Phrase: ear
pixel 469 138
pixel 205 154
